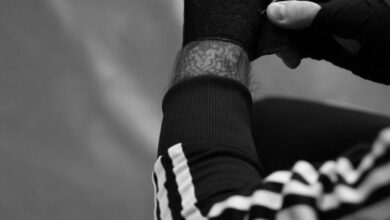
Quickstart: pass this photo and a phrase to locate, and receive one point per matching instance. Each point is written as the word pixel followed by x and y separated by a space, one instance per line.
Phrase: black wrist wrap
pixel 237 21
pixel 273 39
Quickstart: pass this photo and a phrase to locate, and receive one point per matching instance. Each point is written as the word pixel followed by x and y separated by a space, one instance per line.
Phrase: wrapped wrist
pixel 236 21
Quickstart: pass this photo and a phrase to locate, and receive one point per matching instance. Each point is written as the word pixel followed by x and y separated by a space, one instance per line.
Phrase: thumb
pixel 292 14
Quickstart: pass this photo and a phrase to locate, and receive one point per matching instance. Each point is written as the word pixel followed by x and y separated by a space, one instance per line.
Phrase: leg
pixel 287 130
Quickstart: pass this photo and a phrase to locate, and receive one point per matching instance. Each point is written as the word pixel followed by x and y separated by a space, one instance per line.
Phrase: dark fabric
pixel 246 24
pixel 237 21
pixel 173 194
pixel 288 130
pixel 207 109
pixel 273 39
pixel 219 171
pixel 242 22
pixel 210 118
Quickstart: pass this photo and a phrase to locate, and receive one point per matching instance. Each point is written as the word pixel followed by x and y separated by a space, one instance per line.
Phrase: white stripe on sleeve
pixel 185 184
pixel 155 197
pixel 162 194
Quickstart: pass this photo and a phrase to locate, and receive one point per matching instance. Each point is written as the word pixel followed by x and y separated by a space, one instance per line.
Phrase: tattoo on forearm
pixel 217 58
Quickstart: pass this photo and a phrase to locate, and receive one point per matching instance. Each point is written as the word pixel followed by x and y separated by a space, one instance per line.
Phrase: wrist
pixel 213 58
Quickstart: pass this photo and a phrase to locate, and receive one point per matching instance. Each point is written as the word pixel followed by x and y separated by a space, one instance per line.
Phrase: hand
pixel 353 34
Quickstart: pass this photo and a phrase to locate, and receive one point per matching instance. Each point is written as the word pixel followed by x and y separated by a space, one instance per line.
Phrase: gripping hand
pixel 353 34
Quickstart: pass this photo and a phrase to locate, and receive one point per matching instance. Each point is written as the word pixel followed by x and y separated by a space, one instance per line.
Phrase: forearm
pixel 208 100
pixel 206 147
pixel 212 58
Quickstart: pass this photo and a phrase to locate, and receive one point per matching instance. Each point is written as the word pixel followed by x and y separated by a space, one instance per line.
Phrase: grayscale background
pixel 81 85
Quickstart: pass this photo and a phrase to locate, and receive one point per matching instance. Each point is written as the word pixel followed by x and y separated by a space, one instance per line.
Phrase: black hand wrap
pixel 236 21
pixel 274 39
pixel 365 20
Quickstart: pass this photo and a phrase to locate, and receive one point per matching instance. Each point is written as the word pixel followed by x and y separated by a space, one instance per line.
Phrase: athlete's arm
pixel 206 150
pixel 207 166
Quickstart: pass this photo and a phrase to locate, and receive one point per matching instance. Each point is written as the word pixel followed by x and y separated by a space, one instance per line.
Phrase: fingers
pixel 293 14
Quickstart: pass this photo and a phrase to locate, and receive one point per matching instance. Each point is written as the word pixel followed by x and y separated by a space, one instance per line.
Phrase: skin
pixel 212 57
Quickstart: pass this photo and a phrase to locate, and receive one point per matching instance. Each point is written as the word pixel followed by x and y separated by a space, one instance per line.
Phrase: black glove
pixel 367 21
pixel 236 21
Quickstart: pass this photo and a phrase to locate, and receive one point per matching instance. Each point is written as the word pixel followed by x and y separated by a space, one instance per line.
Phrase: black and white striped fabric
pixel 354 186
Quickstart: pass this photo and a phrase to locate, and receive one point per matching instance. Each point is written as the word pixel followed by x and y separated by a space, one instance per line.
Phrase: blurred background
pixel 81 85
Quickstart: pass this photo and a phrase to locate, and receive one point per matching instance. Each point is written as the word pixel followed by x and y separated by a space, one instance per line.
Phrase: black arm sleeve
pixel 210 119
pixel 207 110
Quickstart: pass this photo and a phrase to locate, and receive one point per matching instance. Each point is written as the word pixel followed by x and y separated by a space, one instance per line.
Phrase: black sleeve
pixel 210 110
pixel 207 121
